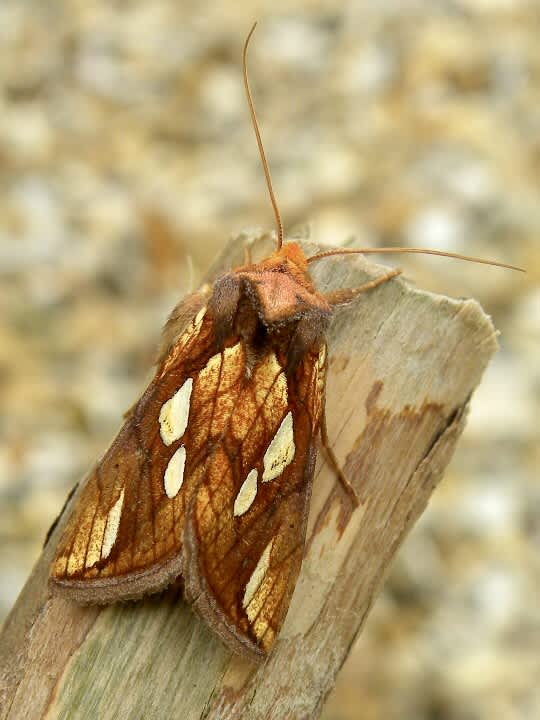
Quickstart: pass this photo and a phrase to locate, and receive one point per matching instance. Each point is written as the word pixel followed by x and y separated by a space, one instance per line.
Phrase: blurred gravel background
pixel 126 161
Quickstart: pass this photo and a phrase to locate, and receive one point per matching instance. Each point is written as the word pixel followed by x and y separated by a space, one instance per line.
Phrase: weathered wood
pixel 403 364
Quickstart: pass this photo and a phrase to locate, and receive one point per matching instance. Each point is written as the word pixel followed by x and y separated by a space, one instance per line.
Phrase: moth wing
pixel 123 538
pixel 245 525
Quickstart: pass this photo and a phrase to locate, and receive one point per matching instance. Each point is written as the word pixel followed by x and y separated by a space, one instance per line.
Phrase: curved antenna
pixel 279 224
pixel 420 251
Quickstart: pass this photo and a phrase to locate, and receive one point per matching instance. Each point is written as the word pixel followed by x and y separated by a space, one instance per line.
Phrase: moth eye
pixel 281 450
pixel 173 416
pixel 246 494
pixel 174 473
pixel 255 582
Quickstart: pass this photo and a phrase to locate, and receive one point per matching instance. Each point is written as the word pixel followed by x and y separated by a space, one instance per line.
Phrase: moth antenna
pixel 264 162
pixel 420 251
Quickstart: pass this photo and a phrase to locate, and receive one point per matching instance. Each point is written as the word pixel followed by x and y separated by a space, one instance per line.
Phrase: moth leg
pixel 341 297
pixel 334 462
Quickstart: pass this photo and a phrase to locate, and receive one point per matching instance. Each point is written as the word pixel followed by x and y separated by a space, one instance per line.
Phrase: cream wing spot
pixel 173 416
pixel 256 580
pixel 111 528
pixel 281 450
pixel 174 473
pixel 246 494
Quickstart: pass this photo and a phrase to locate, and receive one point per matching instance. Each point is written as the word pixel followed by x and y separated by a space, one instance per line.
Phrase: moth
pixel 210 477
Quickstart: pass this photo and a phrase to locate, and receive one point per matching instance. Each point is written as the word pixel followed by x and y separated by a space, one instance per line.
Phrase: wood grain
pixel 403 365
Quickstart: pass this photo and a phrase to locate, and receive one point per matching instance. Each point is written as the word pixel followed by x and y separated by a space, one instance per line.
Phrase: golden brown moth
pixel 210 477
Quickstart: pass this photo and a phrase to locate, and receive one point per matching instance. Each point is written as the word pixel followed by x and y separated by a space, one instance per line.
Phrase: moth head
pixel 294 254
pixel 289 258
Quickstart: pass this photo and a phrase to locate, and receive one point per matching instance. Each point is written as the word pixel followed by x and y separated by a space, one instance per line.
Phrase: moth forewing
pixel 240 569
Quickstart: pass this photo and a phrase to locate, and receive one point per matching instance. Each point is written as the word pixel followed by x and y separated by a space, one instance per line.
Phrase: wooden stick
pixel 403 365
